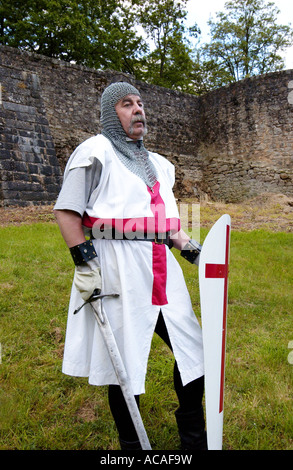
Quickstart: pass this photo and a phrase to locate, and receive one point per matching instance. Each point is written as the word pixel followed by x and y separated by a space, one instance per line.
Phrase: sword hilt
pixel 95 296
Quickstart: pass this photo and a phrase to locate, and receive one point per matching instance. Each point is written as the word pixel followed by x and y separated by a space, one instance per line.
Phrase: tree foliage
pixel 169 63
pixel 94 33
pixel 246 40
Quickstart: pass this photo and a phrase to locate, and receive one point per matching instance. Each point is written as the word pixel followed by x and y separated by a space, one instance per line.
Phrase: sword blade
pixel 120 371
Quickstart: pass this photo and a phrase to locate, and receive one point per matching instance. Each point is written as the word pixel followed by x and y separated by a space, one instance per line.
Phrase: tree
pixel 205 75
pixel 95 33
pixel 169 64
pixel 246 40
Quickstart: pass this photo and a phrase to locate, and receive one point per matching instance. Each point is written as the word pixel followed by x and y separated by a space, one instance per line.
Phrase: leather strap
pixel 83 253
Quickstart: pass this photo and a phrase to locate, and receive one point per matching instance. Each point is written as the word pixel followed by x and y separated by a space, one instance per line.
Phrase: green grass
pixel 40 408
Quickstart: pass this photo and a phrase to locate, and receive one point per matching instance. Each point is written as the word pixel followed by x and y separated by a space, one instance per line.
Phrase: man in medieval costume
pixel 118 216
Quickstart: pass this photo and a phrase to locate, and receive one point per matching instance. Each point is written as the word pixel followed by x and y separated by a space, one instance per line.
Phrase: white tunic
pixel 146 276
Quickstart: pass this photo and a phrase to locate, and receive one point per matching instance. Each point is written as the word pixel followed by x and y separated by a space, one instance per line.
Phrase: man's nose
pixel 137 109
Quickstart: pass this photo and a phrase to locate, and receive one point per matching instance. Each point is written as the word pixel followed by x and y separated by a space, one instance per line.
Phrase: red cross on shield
pixel 213 286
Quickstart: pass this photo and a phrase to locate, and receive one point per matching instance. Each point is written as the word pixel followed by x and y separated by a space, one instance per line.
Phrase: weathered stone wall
pixel 246 141
pixel 29 169
pixel 232 143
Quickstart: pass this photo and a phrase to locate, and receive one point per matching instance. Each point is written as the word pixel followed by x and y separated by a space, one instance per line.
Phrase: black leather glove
pixel 191 251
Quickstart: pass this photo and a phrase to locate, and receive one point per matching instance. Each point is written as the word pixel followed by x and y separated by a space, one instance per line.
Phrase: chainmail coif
pixel 132 154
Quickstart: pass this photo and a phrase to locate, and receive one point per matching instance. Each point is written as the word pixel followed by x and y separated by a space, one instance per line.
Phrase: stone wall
pixel 230 144
pixel 246 142
pixel 29 169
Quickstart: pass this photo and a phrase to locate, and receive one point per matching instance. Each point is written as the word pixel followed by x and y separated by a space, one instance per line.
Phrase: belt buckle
pixel 158 241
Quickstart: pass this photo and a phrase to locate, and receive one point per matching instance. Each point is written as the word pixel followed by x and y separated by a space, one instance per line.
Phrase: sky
pixel 199 12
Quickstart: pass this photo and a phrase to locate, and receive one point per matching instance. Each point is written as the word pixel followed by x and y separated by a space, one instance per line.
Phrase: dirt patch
pixel 26 215
pixel 87 412
pixel 268 211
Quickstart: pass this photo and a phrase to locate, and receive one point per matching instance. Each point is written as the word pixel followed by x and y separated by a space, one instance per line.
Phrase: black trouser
pixel 189 396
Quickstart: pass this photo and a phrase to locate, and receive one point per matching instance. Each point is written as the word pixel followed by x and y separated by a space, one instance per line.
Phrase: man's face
pixel 132 117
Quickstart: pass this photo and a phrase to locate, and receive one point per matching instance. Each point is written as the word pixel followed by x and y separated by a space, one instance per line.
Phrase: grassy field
pixel 40 408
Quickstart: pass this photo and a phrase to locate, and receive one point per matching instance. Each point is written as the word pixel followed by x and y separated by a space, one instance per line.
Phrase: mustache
pixel 138 118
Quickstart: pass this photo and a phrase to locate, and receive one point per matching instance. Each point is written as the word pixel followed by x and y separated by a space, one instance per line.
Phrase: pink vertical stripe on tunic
pixel 159 296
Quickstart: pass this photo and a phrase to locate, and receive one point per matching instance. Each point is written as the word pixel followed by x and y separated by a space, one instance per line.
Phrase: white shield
pixel 213 286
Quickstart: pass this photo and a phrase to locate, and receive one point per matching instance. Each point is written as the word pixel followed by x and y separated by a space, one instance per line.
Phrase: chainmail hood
pixel 132 154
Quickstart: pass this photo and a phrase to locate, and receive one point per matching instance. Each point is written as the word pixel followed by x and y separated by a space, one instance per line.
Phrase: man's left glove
pixel 191 252
pixel 87 276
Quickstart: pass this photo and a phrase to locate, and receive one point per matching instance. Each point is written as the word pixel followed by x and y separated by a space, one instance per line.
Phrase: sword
pixel 117 362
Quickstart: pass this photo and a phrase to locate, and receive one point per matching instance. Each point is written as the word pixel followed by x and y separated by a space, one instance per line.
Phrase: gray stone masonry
pixel 30 172
pixel 230 144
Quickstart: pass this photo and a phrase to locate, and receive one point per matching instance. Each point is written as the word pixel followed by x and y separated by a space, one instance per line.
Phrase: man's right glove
pixel 87 276
pixel 191 252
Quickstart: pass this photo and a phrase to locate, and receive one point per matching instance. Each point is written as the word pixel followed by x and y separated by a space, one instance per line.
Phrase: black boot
pixel 191 427
pixel 135 445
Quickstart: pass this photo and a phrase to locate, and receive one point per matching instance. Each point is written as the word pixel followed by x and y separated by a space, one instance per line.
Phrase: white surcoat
pixel 146 275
